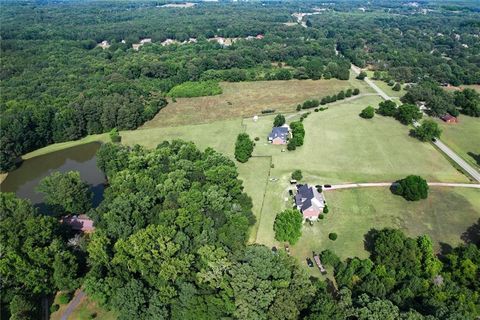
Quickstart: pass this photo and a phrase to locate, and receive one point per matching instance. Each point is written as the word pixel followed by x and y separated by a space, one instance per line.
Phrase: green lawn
pixel 445 215
pixel 463 138
pixel 220 135
pixel 341 147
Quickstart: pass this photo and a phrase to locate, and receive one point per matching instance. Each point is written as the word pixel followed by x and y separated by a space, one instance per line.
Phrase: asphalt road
pixel 449 152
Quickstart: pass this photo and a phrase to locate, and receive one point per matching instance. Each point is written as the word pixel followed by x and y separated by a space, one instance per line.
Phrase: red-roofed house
pixel 448 118
pixel 81 223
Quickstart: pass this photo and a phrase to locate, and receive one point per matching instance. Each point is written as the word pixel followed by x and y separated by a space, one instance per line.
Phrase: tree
pixel 362 75
pixel 288 225
pixel 298 133
pixel 367 113
pixel 408 113
pixel 279 120
pixel 428 130
pixel 356 91
pixel 468 101
pixel 114 135
pixel 377 75
pixel 243 147
pixel 332 236
pixel 297 175
pixel 66 193
pixel 341 95
pixel 412 188
pixel 397 87
pixel 387 108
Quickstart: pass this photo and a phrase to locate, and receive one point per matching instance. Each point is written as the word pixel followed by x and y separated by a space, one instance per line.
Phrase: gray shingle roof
pixel 279 132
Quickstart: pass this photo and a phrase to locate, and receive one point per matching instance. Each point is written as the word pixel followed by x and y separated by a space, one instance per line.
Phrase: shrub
pixel 115 136
pixel 243 147
pixel 268 111
pixel 328 257
pixel 341 95
pixel 321 217
pixel 297 175
pixel 195 89
pixel 412 188
pixel 64 298
pixel 362 75
pixel 279 120
pixel 356 91
pixel 397 87
pixel 325 209
pixel 367 113
pixel 319 189
pixel 54 308
pixel 332 236
pixel 316 110
pixel 387 108
pixel 348 93
pixel 391 82
pixel 308 104
pixel 299 107
pixel 257 138
pixel 291 145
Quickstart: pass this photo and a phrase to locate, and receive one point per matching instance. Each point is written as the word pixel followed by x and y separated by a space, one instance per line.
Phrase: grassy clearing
pixel 219 135
pixel 341 147
pixel 87 308
pixel 445 215
pixel 463 138
pixel 195 89
pixel 245 99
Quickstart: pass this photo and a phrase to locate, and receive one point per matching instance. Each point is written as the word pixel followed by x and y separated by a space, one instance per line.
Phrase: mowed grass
pixel 463 138
pixel 445 216
pixel 245 99
pixel 220 135
pixel 87 308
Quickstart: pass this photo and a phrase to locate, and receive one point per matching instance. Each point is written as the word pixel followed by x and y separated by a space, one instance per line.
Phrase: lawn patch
pixel 192 89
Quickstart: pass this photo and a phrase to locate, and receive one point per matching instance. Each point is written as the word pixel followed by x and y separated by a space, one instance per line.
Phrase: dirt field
pixel 244 99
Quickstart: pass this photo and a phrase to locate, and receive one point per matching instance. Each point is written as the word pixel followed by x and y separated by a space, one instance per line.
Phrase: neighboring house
pixel 279 135
pixel 309 201
pixel 449 118
pixel 104 44
pixel 81 223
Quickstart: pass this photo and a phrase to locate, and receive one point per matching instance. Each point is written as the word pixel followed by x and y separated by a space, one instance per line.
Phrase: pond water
pixel 25 179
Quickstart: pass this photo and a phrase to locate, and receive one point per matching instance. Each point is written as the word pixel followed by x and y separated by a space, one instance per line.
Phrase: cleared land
pixel 445 216
pixel 341 147
pixel 244 99
pixel 463 138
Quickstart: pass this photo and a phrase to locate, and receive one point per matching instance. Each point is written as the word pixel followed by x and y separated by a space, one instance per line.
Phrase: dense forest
pixel 59 85
pixel 170 243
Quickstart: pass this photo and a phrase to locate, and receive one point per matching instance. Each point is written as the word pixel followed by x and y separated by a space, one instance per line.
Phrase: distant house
pixel 279 135
pixel 104 44
pixel 80 223
pixel 260 36
pixel 309 201
pixel 448 118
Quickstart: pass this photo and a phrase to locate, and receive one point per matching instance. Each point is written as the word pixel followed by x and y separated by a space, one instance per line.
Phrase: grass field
pixel 445 215
pixel 245 99
pixel 463 138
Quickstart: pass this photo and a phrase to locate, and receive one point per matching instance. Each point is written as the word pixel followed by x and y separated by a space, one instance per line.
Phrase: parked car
pixel 327 185
pixel 309 263
pixel 434 139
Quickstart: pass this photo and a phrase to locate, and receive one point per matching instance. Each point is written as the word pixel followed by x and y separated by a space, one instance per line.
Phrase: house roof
pixel 309 201
pixel 448 117
pixel 279 132
pixel 81 222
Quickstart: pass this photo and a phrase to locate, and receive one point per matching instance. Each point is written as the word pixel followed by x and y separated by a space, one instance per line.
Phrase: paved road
pixel 449 152
pixel 388 184
pixel 73 304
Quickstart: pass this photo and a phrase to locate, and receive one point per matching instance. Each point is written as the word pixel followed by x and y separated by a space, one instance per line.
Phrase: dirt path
pixel 79 295
pixel 388 184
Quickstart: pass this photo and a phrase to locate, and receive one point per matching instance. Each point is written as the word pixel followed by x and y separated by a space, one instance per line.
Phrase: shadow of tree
pixel 475 157
pixel 472 234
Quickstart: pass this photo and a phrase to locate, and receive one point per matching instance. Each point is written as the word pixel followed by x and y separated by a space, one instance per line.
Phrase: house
pixel 81 223
pixel 309 201
pixel 279 135
pixel 260 36
pixel 448 118
pixel 104 44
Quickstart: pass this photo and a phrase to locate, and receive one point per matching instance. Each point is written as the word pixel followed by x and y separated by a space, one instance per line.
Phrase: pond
pixel 82 158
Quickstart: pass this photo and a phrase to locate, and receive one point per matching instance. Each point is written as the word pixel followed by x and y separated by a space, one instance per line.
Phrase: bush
pixel 64 298
pixel 195 89
pixel 268 111
pixel 328 257
pixel 356 91
pixel 257 138
pixel 291 145
pixel 348 93
pixel 297 175
pixel 243 148
pixel 299 107
pixel 325 209
pixel 341 95
pixel 321 217
pixel 115 136
pixel 387 108
pixel 367 113
pixel 308 104
pixel 390 83
pixel 316 110
pixel 279 120
pixel 362 75
pixel 54 308
pixel 319 189
pixel 412 188
pixel 397 87
pixel 332 236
